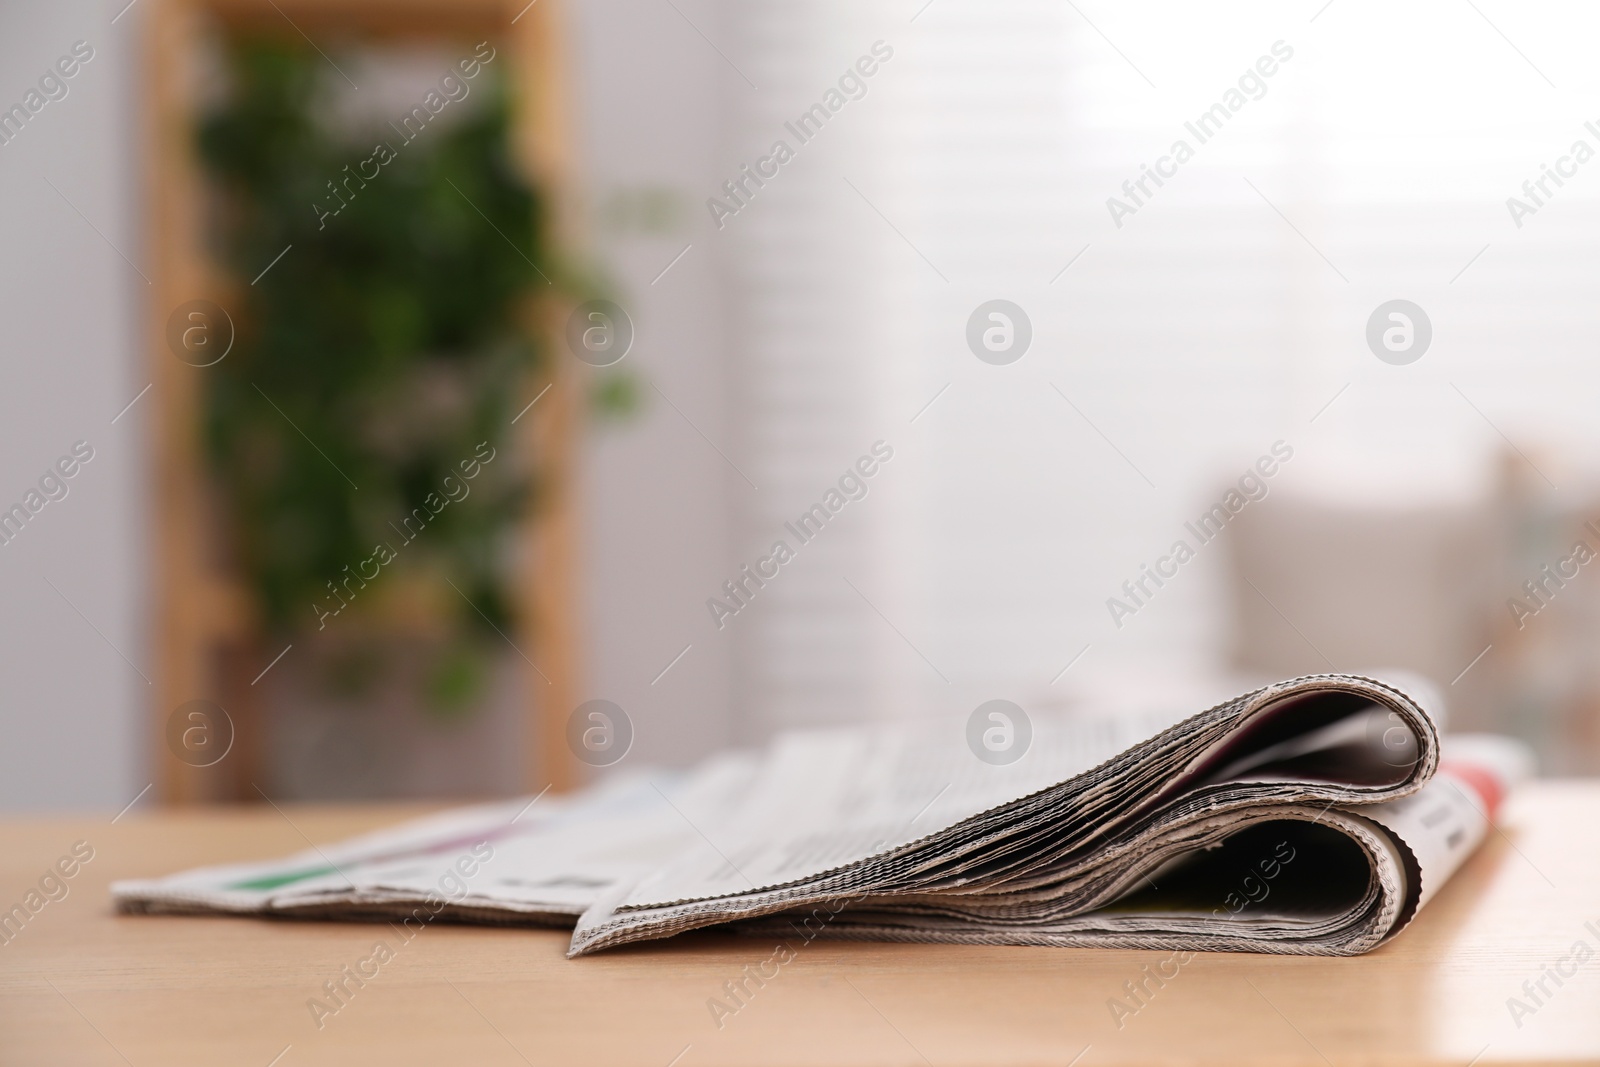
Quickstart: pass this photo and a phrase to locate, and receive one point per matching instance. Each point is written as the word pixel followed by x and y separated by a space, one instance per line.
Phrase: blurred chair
pixel 1319 582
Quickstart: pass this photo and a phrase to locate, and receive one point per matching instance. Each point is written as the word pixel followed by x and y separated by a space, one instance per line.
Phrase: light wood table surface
pixel 81 985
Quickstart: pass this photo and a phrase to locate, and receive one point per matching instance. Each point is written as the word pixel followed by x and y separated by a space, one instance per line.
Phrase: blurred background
pixel 981 311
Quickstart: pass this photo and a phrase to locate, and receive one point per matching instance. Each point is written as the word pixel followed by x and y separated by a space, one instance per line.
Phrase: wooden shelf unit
pixel 204 619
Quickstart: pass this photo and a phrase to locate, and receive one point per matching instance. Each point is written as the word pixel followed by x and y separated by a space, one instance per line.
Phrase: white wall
pixel 68 348
pixel 651 99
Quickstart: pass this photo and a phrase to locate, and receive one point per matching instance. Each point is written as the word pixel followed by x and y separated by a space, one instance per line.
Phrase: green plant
pixel 385 348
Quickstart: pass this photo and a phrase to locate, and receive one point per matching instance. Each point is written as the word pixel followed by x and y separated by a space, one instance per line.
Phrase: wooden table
pixel 81 985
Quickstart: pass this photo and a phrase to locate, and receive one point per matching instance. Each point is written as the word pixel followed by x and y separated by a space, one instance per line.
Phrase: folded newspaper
pixel 1312 816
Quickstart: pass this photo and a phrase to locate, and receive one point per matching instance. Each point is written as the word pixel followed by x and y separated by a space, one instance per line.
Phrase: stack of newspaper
pixel 1311 816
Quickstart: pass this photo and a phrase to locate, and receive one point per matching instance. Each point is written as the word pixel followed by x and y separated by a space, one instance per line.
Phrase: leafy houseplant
pixel 378 362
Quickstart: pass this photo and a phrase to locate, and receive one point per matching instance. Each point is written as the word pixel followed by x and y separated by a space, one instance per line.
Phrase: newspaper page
pixel 1303 817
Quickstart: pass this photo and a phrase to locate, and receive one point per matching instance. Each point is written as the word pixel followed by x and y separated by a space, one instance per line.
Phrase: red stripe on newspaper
pixel 1484 782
